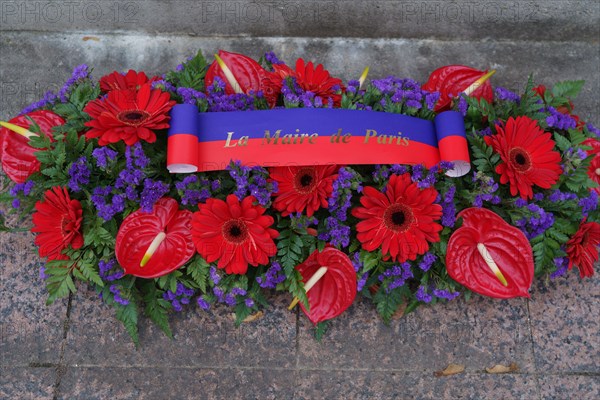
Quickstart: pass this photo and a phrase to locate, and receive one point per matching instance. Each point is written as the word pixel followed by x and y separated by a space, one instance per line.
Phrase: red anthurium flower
pixel 335 291
pixel 401 222
pixel 452 80
pixel 250 76
pixel 314 79
pixel 528 156
pixel 154 244
pixel 128 115
pixel 300 188
pixel 234 233
pixel 489 256
pixel 57 221
pixel 131 80
pixel 18 157
pixel 594 170
pixel 582 248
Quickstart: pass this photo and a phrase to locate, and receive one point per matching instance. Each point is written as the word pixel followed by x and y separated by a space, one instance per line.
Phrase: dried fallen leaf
pixel 400 311
pixel 451 369
pixel 252 317
pixel 502 369
pixel 94 38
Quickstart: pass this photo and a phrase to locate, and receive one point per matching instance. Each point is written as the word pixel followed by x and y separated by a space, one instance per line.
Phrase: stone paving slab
pixel 569 387
pixel 50 59
pixel 455 20
pixel 27 383
pixel 478 334
pixel 30 332
pixel 205 339
pixel 566 325
pixel 190 383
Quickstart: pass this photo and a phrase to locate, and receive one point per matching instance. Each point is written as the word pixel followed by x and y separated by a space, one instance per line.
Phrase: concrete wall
pixel 41 40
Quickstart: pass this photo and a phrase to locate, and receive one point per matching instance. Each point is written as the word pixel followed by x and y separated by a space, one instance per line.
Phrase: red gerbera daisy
pixel 401 222
pixel 594 170
pixel 57 222
pixel 131 80
pixel 316 80
pixel 527 154
pixel 582 248
pixel 300 188
pixel 233 232
pixel 129 116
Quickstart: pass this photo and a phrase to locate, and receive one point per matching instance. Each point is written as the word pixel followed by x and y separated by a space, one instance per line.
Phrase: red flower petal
pixel 582 248
pixel 57 221
pixel 335 291
pixel 18 158
pixel 234 233
pixel 139 229
pixel 454 79
pixel 507 246
pixel 401 221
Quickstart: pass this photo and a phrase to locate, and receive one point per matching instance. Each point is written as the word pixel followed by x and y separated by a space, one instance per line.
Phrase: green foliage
pixel 321 329
pixel 192 74
pixel 156 308
pixel 128 315
pixel 198 270
pixel 387 303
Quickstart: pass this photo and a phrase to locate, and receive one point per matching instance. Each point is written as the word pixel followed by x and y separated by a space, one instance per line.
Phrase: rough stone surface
pixel 458 19
pixel 553 337
pixel 51 57
pixel 27 383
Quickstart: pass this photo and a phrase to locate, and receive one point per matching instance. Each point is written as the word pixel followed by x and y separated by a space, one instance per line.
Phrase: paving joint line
pixel 121 33
pixel 61 368
pixel 538 388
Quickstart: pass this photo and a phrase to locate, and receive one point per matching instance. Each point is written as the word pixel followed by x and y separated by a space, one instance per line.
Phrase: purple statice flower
pixel 559 120
pixel 43 275
pixel 448 207
pixel 103 156
pixel 427 181
pixel 230 300
pixel 214 276
pixel 427 261
pixel 445 294
pixel 272 58
pixel 417 172
pixel 537 223
pixel 593 129
pixel 520 203
pixel 180 297
pixel 274 276
pixel 422 295
pixel 558 196
pixel 301 221
pixel 139 158
pixel 107 271
pixel 507 95
pixel 160 84
pixel 353 86
pixel 193 190
pixel 79 173
pixel 485 132
pixel 219 101
pixel 463 106
pixel 80 73
pixel 484 190
pixel 25 188
pixel 381 173
pixel 589 204
pixel 396 276
pixel 249 302
pixel 152 192
pixel 337 232
pixel 362 281
pixel 106 208
pixel 253 181
pixel 16 203
pixel 562 266
pixel 203 304
pixel 190 96
pixel 49 98
pixel 431 99
pixel 114 289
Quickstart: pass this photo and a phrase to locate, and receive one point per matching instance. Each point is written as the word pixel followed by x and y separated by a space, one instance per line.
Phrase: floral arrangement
pixel 88 164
